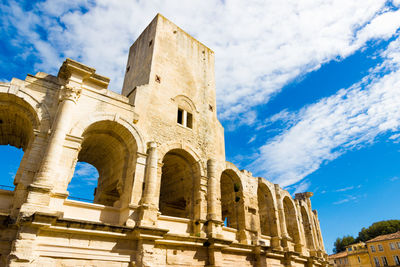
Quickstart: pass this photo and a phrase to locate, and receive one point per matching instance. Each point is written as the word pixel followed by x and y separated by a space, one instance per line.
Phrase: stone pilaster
pixel 282 219
pixel 40 191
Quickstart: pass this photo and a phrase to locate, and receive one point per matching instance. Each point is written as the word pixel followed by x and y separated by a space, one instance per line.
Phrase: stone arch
pixel 266 210
pixel 82 125
pixel 232 201
pixel 180 180
pixel 167 147
pixel 292 227
pixel 307 226
pixel 19 121
pixel 185 102
pixel 111 148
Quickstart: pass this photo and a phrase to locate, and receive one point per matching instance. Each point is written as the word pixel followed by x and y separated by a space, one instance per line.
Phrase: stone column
pixel 276 235
pixel 61 126
pixel 149 205
pixel 212 191
pixel 214 222
pixel 151 175
pixel 300 243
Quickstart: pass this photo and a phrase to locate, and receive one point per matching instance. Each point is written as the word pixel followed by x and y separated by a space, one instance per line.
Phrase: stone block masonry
pixel 165 194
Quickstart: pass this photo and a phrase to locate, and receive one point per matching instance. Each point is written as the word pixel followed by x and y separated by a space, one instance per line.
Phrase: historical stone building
pixel 165 194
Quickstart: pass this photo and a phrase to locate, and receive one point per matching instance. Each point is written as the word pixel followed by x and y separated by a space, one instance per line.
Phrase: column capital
pixel 152 144
pixel 69 92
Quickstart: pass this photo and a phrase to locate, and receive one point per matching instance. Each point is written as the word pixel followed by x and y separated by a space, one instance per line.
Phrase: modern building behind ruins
pixel 164 189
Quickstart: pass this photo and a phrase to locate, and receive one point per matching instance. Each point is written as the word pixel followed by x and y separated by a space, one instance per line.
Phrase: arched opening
pixel 178 180
pixel 266 211
pixel 11 159
pixel 319 242
pixel 307 228
pixel 291 220
pixel 17 122
pixel 232 200
pixel 111 149
pixel 84 182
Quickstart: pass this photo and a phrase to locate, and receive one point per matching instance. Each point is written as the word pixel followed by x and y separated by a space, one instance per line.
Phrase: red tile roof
pixel 385 237
pixel 338 255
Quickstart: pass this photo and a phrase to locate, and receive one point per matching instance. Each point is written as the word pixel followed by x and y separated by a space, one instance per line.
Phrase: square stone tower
pixel 170 80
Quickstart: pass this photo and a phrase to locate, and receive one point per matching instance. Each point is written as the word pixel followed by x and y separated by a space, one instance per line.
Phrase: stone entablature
pixel 165 195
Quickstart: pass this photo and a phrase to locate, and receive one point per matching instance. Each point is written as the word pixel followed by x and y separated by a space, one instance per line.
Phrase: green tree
pixel 377 229
pixel 341 243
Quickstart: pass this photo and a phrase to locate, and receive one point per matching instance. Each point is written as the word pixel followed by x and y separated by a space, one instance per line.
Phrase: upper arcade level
pixel 159 153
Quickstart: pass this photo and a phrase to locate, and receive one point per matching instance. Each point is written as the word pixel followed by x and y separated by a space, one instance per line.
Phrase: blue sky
pixel 308 91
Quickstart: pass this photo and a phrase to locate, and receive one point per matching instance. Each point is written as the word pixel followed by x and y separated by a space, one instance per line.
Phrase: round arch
pixel 232 201
pixel 111 148
pixel 180 180
pixel 20 118
pixel 291 219
pixel 307 226
pixel 266 210
pixel 193 153
pixel 79 128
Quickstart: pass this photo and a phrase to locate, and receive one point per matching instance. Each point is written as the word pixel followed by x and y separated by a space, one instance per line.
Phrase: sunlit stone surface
pixel 165 195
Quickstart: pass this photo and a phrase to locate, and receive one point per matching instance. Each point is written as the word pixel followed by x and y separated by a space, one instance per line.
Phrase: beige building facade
pixel 355 255
pixel 165 194
pixel 384 250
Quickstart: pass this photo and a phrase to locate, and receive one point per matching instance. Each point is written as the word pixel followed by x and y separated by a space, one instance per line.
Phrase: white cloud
pixel 349 119
pixel 257 52
pixel 345 200
pixel 86 172
pixel 301 187
pixel 345 189
pixel 252 139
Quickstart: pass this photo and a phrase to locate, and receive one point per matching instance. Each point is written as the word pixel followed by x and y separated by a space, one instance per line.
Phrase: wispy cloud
pixel 345 200
pixel 349 119
pixel 345 189
pixel 252 139
pixel 394 179
pixel 86 172
pixel 301 187
pixel 257 52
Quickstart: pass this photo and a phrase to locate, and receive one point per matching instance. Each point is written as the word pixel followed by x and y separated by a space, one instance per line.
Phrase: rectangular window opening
pixel 180 116
pixel 380 247
pixel 189 120
pixel 384 261
pixel 396 260
pixel 376 260
pixel 373 249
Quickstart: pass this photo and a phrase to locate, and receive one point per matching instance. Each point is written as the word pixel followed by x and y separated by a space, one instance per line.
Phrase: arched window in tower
pixel 108 151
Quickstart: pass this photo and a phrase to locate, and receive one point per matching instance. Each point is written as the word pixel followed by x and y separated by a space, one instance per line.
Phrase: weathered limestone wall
pixel 166 195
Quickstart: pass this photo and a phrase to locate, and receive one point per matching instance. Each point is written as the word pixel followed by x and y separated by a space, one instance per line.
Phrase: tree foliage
pixel 376 229
pixel 341 243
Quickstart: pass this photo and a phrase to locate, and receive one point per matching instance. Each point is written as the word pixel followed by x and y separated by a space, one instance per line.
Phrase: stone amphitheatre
pixel 165 195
